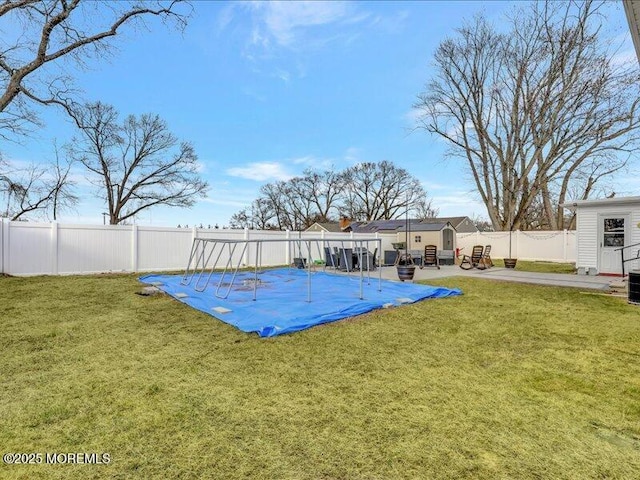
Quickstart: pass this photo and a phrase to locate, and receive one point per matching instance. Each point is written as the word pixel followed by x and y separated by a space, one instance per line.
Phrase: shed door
pixel 447 239
pixel 613 232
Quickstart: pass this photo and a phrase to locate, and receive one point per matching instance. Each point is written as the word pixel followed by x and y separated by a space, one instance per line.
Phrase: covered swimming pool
pixel 282 306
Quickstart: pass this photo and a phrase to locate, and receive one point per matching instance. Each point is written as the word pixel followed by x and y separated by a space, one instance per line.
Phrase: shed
pixel 603 228
pixel 443 235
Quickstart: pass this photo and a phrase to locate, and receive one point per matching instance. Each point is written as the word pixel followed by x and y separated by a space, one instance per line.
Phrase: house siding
pixel 427 238
pixel 587 238
pixel 587 228
pixel 466 226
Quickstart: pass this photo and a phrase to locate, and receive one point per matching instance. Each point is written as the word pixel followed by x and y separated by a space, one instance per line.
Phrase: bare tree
pixel 482 224
pixel 322 189
pixel 537 112
pixel 380 191
pixel 240 220
pixel 63 196
pixel 368 191
pixel 299 202
pixel 36 189
pixel 262 215
pixel 137 164
pixel 51 33
pixel 273 196
pixel 424 209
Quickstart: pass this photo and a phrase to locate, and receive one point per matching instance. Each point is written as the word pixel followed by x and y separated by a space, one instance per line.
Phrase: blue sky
pixel 265 90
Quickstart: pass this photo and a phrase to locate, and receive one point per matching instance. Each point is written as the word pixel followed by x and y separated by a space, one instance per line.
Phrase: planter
pixel 406 272
pixel 510 262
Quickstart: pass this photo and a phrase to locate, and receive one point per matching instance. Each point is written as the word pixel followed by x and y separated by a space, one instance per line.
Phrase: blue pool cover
pixel 282 306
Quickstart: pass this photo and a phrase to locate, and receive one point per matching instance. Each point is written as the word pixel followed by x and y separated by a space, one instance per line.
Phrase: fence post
pixel 1 245
pixel 134 248
pixel 288 249
pixel 564 244
pixel 54 248
pixel 6 227
pixel 245 260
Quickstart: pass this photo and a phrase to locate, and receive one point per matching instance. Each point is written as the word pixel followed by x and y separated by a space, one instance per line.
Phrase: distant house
pixel 461 224
pixel 333 227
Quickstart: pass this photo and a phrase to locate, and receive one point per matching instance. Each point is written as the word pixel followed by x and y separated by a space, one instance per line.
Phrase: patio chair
pixel 430 257
pixel 366 259
pixel 486 257
pixel 475 260
pixel 345 259
pixel 300 263
pixel 416 256
pixel 330 259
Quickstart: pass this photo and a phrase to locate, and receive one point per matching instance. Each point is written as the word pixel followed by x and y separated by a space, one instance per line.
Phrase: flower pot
pixel 510 262
pixel 406 272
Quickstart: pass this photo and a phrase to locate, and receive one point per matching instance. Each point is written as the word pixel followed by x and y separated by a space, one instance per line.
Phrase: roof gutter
pixel 601 201
pixel 632 11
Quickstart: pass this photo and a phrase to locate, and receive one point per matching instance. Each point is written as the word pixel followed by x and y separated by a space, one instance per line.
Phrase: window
pixel 613 233
pixel 418 239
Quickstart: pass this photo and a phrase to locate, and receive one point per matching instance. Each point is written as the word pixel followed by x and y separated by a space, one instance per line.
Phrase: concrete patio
pixel 503 274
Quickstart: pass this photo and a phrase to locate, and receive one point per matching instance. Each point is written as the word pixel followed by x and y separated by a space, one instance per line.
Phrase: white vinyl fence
pixel 60 249
pixel 57 249
pixel 552 246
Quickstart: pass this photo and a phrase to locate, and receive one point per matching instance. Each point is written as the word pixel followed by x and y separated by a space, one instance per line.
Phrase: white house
pixel 604 226
pixel 632 9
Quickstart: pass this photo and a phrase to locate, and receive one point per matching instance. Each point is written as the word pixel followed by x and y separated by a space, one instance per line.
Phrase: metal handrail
pixel 622 249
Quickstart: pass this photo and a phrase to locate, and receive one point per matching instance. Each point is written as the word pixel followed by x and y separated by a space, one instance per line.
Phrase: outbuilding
pixel 605 230
pixel 442 235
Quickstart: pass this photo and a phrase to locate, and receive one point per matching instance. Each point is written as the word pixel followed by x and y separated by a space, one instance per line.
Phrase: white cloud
pixel 225 17
pixel 430 186
pixel 283 75
pixel 226 202
pixel 252 93
pixel 278 27
pixel 307 160
pixel 314 163
pixel 414 117
pixel 391 24
pixel 353 154
pixel 261 171
pixel 457 203
pixel 282 34
pixel 285 21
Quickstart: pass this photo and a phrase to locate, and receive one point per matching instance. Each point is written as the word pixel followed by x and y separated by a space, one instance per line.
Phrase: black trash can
pixel 634 287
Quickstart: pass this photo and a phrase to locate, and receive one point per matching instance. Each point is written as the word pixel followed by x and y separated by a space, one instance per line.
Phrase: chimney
pixel 344 222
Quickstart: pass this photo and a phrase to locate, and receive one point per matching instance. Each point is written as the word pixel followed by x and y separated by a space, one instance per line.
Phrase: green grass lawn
pixel 507 381
pixel 541 267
